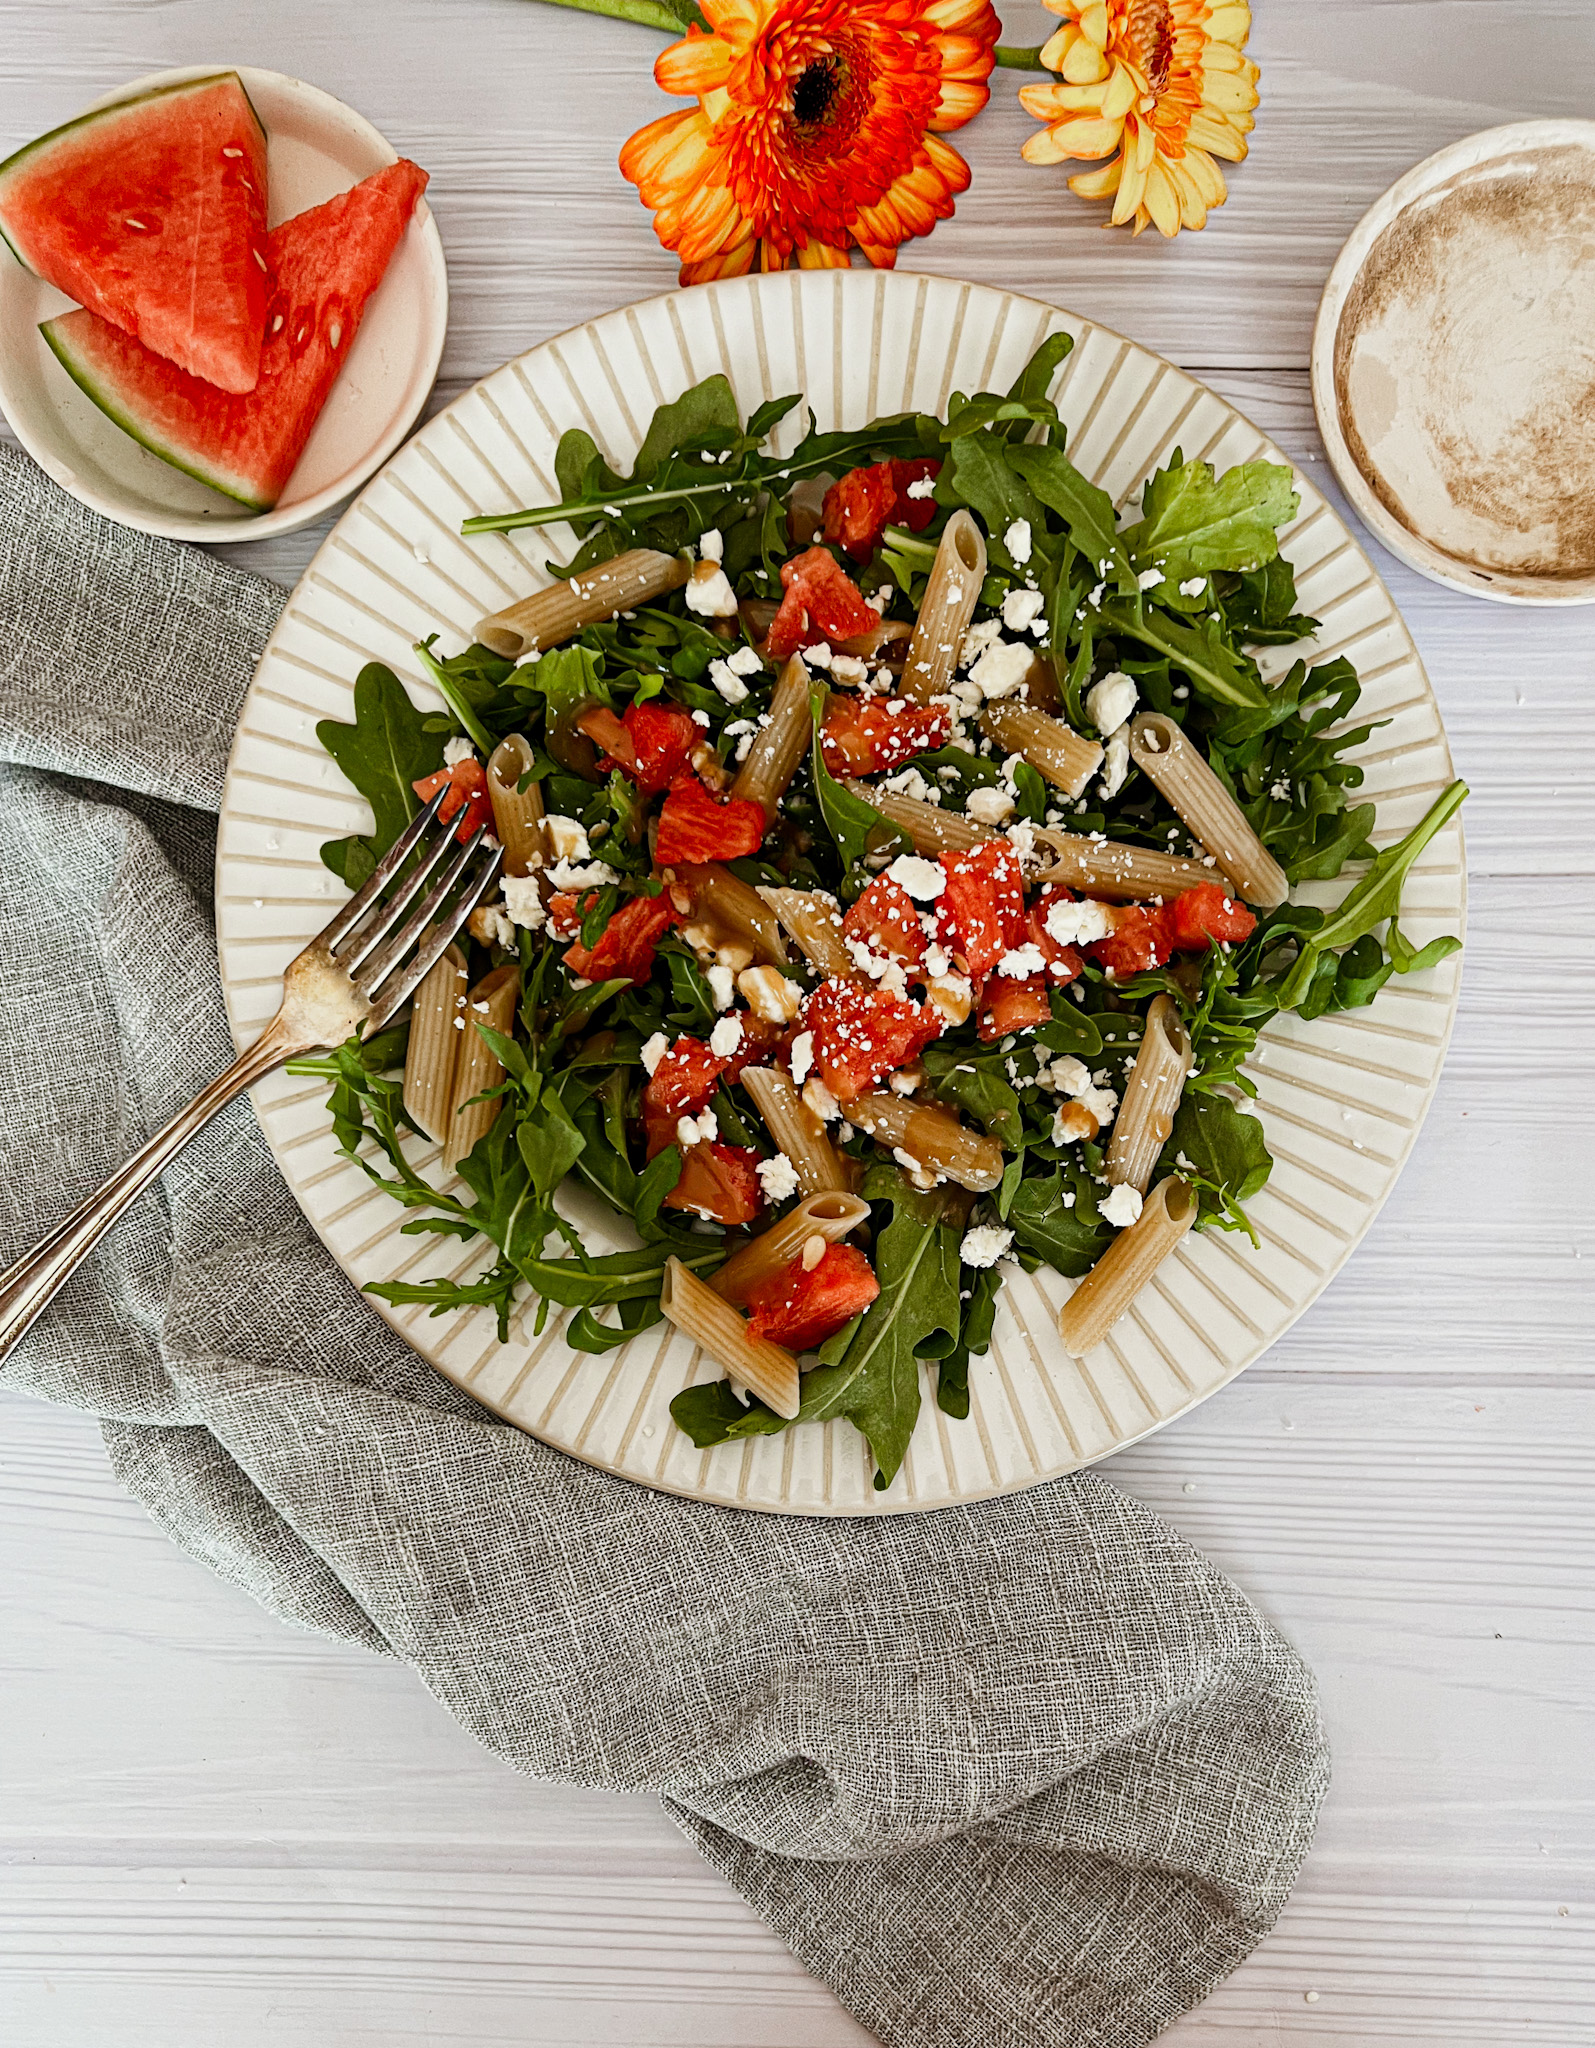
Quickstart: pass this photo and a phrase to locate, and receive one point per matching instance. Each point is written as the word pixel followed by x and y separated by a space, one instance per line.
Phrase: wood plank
pixel 295 1828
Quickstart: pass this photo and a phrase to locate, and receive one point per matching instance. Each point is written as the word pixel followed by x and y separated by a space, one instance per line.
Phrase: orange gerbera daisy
pixel 1158 85
pixel 817 130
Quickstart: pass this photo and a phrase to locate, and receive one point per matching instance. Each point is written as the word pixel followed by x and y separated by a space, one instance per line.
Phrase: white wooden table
pixel 215 1830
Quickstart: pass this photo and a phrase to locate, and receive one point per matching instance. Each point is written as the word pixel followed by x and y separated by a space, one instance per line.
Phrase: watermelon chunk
pixel 152 214
pixel 327 263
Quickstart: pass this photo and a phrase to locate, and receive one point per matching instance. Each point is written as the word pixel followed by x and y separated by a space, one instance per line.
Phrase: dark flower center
pixel 816 91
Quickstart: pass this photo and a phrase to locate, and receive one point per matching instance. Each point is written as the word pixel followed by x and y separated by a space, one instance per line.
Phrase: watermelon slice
pixel 152 214
pixel 326 263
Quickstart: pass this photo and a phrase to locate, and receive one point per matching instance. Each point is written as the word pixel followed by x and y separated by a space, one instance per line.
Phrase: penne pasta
pixel 1040 686
pixel 714 1325
pixel 433 1053
pixel 890 632
pixel 798 1132
pixel 1052 748
pixel 931 829
pixel 491 1002
pixel 1125 1267
pixel 517 812
pixel 724 911
pixel 556 614
pixel 815 923
pixel 1119 873
pixel 780 743
pixel 1187 782
pixel 930 1140
pixel 1151 1096
pixel 828 1216
pixel 951 595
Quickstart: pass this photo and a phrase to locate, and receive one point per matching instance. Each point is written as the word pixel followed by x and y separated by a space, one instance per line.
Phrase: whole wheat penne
pixel 1126 1266
pixel 433 1052
pixel 1040 686
pixel 933 1139
pixel 951 595
pixel 798 1132
pixel 1151 1096
pixel 780 743
pixel 890 632
pixel 1052 748
pixel 492 1002
pixel 517 812
pixel 932 830
pixel 699 1314
pixel 1186 780
pixel 1119 873
pixel 815 923
pixel 727 911
pixel 558 613
pixel 829 1217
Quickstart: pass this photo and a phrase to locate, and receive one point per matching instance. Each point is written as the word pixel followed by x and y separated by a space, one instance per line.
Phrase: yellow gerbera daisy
pixel 1161 86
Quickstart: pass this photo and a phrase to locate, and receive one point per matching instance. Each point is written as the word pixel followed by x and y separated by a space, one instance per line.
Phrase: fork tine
pixel 383 873
pixel 399 985
pixel 364 943
pixel 388 955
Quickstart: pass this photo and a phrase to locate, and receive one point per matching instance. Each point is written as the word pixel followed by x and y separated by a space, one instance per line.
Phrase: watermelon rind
pixel 181 459
pixel 30 150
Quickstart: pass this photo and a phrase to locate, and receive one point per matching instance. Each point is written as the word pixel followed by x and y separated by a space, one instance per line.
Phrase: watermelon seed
pixel 302 334
pixel 276 325
pixel 141 226
pixel 259 258
pixel 335 333
pixel 230 149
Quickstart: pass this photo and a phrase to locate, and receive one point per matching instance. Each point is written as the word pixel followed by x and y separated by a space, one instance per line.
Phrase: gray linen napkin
pixel 1028 1772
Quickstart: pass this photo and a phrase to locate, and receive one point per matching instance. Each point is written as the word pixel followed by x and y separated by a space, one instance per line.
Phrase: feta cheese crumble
pixel 1016 540
pixel 985 1244
pixel 1021 608
pixel 1109 703
pixel 1078 924
pixel 726 1037
pixel 726 680
pixel 923 879
pixel 989 806
pixel 699 1130
pixel 1193 586
pixel 778 1178
pixel 653 1051
pixel 456 751
pixel 922 487
pixel 1001 669
pixel 1149 579
pixel 802 1057
pixel 522 904
pixel 711 596
pixel 567 840
pixel 722 985
pixel 1115 762
pixel 1122 1206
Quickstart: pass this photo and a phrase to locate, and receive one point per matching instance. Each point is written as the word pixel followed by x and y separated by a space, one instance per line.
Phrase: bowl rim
pixel 1471 152
pixel 281 519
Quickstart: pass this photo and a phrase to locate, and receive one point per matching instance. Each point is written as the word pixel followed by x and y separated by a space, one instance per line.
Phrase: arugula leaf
pixel 1085 508
pixel 974 1341
pixel 855 826
pixel 455 698
pixel 1222 1153
pixel 981 1091
pixel 979 472
pixel 1034 381
pixel 1376 898
pixel 384 752
pixel 1194 522
pixel 1260 606
pixel 1198 647
pixel 565 677
pixel 869 1371
pixel 1055 1216
pixel 550 1143
pixel 703 406
pixel 656 1180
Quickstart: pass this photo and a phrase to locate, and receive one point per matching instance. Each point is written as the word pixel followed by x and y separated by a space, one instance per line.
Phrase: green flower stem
pixel 1019 57
pixel 646 13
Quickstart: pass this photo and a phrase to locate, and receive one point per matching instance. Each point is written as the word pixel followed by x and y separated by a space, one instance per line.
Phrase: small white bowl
pixel 316 148
pixel 1451 365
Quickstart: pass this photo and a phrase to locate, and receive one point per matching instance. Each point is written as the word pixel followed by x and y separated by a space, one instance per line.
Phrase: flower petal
pixel 699 64
pixel 667 156
pixel 1098 184
pixel 821 256
pixel 1086 137
pixel 1230 23
pixel 1162 201
pixel 1094 23
pixel 1085 64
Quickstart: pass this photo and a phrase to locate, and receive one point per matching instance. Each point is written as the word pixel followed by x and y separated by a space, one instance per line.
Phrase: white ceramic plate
pixel 316 148
pixel 1342 1099
pixel 1453 371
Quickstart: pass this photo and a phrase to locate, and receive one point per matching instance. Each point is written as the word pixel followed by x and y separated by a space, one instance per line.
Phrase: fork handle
pixel 38 1275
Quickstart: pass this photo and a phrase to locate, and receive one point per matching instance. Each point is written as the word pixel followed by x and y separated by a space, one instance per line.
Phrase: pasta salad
pixel 897 858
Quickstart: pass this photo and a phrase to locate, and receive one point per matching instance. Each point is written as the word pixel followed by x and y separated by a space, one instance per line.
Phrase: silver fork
pixel 353 976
